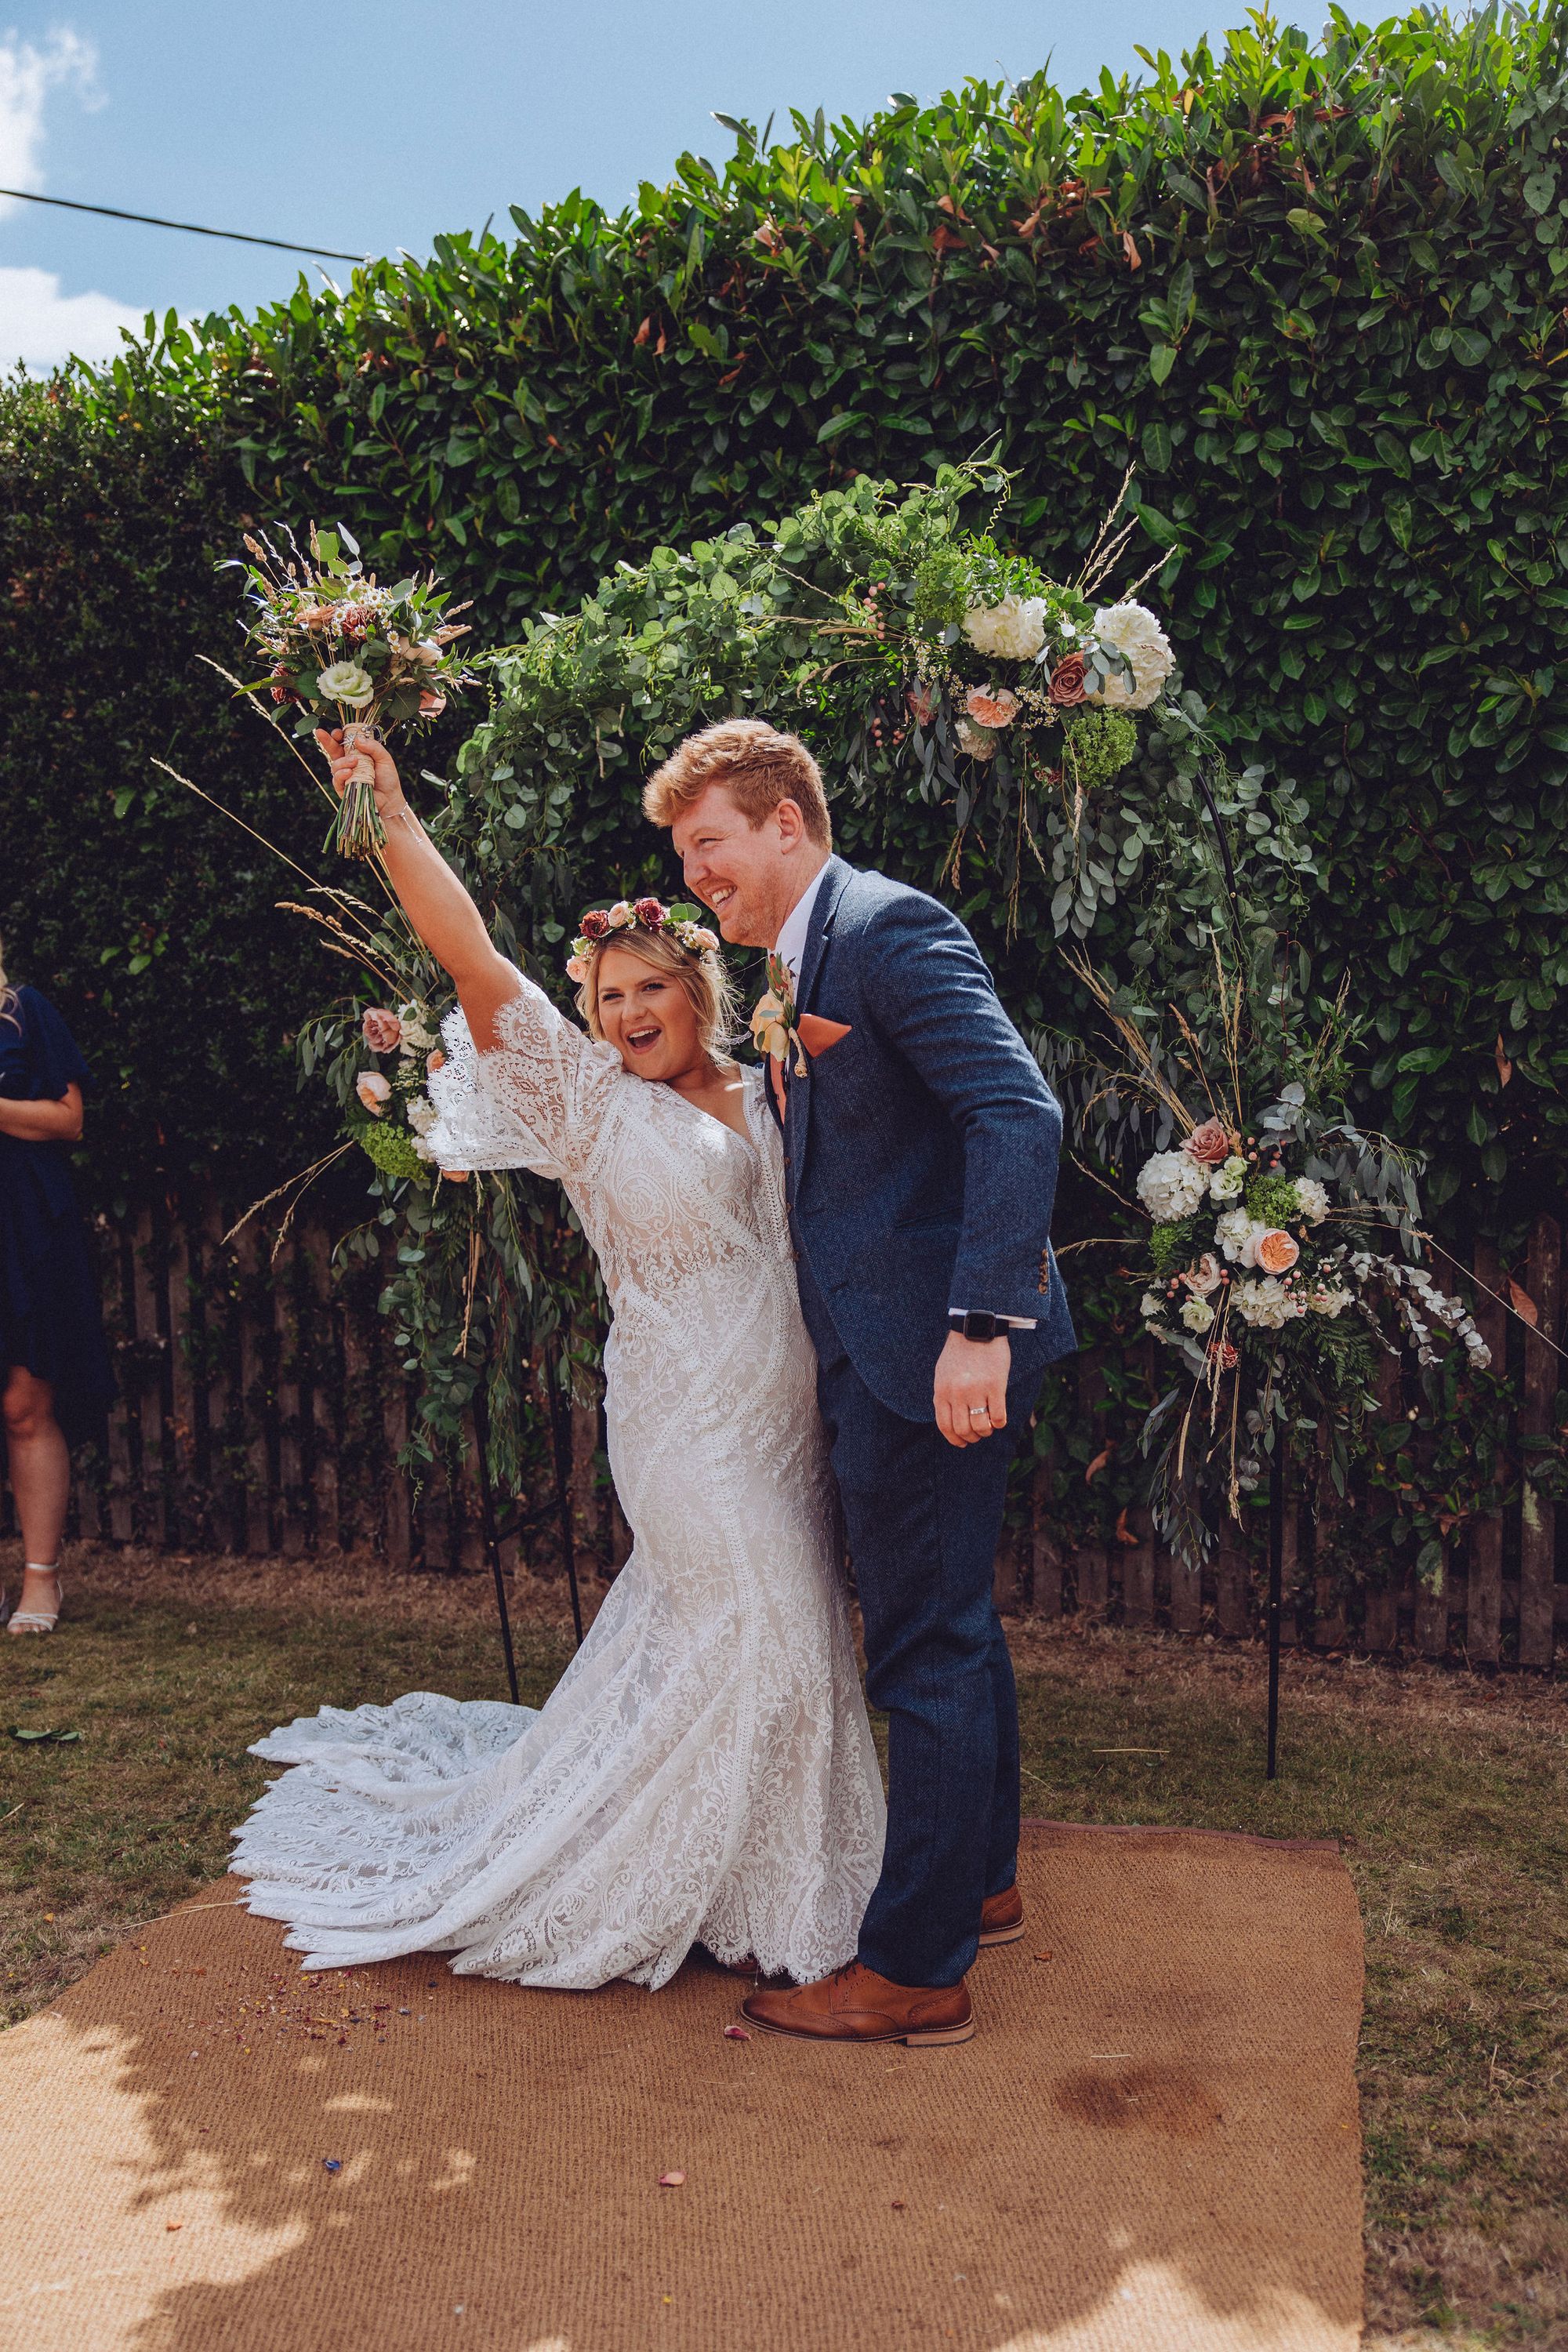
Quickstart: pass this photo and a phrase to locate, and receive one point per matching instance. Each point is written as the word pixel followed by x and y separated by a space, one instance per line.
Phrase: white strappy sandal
pixel 36 1621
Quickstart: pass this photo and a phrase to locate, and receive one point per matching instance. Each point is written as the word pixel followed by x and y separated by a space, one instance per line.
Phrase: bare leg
pixel 39 1463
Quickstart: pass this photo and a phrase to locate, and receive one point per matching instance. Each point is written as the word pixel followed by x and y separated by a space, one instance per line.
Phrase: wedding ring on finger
pixel 979 1412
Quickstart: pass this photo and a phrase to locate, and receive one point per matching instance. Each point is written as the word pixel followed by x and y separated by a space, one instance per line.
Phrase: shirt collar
pixel 791 944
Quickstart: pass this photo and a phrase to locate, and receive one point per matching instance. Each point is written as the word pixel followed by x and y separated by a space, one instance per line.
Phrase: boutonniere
pixel 775 1025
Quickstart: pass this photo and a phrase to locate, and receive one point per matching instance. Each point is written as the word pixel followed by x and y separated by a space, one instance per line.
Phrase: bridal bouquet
pixel 343 650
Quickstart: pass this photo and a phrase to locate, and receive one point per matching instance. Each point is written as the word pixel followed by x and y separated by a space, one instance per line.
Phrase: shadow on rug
pixel 1152 2145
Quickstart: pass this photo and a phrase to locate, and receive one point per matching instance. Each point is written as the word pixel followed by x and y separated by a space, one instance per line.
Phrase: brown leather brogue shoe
pixel 855 2004
pixel 1002 1917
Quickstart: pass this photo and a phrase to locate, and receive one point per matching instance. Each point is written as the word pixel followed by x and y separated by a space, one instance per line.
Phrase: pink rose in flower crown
pixel 1209 1145
pixel 620 915
pixel 381 1030
pixel 988 709
pixel 595 923
pixel 1276 1252
pixel 648 911
pixel 577 969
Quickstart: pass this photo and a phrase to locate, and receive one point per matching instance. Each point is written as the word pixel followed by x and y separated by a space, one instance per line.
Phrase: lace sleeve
pixel 537 1101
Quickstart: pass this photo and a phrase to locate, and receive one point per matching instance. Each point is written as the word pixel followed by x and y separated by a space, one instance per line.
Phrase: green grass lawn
pixel 1450 1795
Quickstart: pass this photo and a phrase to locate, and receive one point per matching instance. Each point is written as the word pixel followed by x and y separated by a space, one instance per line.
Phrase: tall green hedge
pixel 1318 294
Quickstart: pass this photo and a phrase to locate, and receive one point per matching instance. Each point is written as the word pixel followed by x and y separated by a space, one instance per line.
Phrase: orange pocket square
pixel 817 1034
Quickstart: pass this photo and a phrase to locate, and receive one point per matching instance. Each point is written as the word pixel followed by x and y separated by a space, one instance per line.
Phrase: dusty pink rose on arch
pixel 381 1030
pixel 1209 1145
pixel 1067 687
pixel 1277 1252
pixel 1204 1277
pixel 991 708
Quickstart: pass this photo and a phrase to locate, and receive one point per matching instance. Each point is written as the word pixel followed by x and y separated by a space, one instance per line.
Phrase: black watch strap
pixel 977 1324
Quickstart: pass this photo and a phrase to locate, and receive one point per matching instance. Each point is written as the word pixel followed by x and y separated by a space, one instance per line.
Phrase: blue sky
pixel 371 127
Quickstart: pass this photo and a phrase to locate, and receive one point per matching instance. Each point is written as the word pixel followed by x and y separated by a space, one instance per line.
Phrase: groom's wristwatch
pixel 975 1323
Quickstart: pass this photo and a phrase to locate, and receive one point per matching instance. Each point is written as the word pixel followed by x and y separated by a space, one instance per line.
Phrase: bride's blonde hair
pixel 704 979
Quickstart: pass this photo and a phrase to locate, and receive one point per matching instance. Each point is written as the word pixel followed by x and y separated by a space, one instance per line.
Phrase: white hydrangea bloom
pixel 1014 630
pixel 1132 631
pixel 1312 1199
pixel 1265 1305
pixel 1197 1315
pixel 1172 1185
pixel 1226 1182
pixel 1239 1234
pixel 421 1114
pixel 1331 1303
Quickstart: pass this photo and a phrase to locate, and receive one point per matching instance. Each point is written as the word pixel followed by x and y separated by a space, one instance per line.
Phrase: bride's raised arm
pixel 523 1085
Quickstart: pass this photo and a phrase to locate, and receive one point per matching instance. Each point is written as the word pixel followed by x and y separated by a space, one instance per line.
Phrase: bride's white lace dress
pixel 704 1768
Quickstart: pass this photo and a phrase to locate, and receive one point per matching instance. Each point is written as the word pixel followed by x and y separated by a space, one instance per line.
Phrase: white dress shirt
pixel 791 944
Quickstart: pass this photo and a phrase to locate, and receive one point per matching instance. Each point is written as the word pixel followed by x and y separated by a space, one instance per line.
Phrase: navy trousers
pixel 923 1518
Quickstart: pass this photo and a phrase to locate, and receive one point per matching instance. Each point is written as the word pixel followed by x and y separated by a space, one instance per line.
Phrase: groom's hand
pixel 972 1388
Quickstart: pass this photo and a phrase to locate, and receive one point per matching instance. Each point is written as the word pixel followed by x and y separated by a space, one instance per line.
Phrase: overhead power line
pixel 191 228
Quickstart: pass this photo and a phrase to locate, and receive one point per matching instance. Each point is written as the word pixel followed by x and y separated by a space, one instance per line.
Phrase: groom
pixel 920 1146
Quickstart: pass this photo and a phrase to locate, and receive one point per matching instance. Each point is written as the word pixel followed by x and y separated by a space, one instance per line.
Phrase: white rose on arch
pixel 1014 630
pixel 1132 631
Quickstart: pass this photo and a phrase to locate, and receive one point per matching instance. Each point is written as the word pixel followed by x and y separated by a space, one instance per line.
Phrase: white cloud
pixel 42 327
pixel 38 324
pixel 27 75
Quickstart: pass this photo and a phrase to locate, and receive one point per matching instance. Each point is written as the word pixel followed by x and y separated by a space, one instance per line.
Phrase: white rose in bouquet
pixel 1132 631
pixel 1226 1182
pixel 1267 1305
pixel 1312 1199
pixel 1014 630
pixel 1171 1186
pixel 345 681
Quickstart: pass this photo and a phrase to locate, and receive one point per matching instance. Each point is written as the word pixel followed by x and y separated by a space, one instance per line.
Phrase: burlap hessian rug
pixel 1151 2145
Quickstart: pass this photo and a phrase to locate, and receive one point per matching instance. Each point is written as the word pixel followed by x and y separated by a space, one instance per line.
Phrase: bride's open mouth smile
pixel 642 1039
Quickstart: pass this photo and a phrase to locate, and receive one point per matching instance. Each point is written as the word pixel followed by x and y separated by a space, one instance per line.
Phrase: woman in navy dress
pixel 53 1360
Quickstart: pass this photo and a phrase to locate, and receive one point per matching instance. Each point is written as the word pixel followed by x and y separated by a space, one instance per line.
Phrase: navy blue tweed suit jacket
pixel 922 1148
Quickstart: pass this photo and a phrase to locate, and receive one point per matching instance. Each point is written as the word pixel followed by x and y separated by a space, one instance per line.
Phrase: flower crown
pixel 600 924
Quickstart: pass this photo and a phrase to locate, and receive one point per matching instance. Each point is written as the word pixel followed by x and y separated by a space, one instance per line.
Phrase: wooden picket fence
pixel 262 1410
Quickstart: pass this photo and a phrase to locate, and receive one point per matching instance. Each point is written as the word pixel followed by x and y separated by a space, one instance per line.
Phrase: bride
pixel 704 1770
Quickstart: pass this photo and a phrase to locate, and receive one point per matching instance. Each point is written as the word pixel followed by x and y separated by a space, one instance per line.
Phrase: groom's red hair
pixel 757 766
